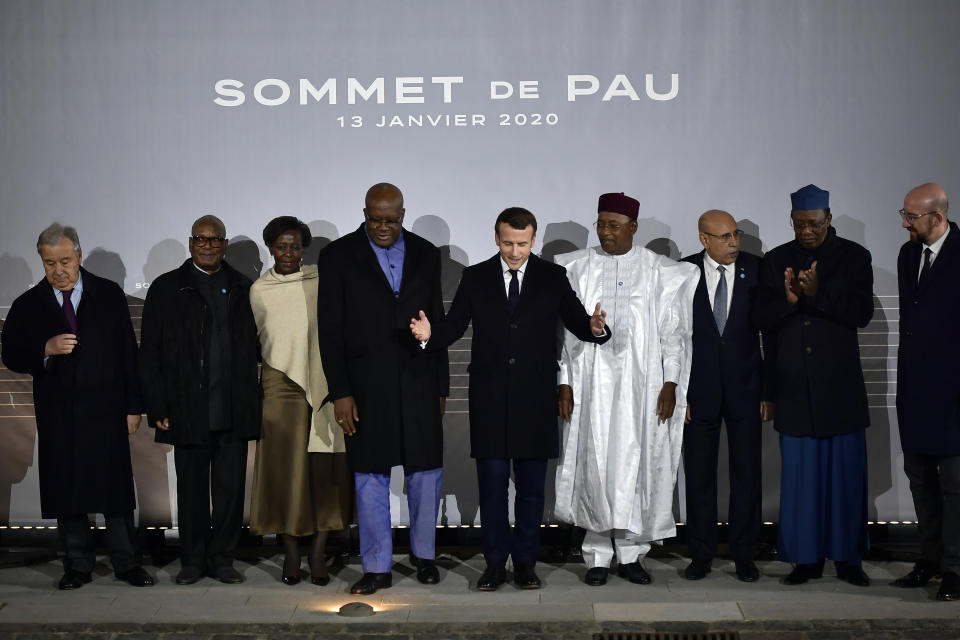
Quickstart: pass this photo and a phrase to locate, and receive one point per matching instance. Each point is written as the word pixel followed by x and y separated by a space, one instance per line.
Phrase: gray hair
pixel 52 235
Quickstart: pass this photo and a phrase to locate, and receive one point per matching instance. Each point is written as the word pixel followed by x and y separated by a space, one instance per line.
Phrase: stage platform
pixel 565 608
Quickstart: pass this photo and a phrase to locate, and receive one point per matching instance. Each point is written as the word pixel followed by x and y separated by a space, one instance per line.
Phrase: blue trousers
pixel 373 516
pixel 493 475
pixel 823 499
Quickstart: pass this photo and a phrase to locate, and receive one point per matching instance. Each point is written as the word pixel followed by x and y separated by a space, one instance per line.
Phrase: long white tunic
pixel 619 464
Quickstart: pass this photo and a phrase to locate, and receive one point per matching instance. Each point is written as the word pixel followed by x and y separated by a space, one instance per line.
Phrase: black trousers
pixel 493 476
pixel 701 446
pixel 935 485
pixel 78 542
pixel 211 475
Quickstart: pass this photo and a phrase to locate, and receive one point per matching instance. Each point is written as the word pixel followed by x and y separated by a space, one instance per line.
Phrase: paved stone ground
pixel 565 608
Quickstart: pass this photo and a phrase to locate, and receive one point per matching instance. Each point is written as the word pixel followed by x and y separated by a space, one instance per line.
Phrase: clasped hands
pixel 804 283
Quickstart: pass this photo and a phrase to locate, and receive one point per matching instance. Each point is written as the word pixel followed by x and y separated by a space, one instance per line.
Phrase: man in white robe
pixel 623 403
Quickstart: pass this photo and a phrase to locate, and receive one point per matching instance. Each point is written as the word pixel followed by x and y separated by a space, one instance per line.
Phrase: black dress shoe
pixel 291 573
pixel 370 582
pixel 188 575
pixel 802 573
pixel 747 571
pixel 427 572
pixel 320 581
pixel 73 580
pixel 852 573
pixel 227 574
pixel 950 587
pixel 920 575
pixel 136 577
pixel 596 577
pixel 525 577
pixel 697 570
pixel 491 579
pixel 634 572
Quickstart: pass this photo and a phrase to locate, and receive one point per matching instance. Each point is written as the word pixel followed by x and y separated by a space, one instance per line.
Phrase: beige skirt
pixel 295 492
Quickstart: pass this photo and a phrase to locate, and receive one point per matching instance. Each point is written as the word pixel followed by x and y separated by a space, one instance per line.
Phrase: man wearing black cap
pixel 623 402
pixel 515 301
pixel 815 291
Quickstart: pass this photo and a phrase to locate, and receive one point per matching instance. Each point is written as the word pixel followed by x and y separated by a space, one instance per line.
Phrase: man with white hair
pixel 72 332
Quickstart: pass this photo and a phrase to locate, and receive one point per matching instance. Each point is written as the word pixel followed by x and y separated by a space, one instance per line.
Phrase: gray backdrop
pixel 123 118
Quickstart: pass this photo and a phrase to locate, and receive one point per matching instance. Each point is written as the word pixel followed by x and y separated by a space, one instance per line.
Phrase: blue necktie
pixel 513 295
pixel 720 301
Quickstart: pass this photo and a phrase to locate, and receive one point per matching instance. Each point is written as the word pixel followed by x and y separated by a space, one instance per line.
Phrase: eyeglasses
pixel 913 217
pixel 213 241
pixel 384 222
pixel 727 238
pixel 812 226
pixel 603 225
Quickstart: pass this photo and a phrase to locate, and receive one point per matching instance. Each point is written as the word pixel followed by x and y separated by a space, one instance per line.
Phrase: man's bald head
pixel 719 236
pixel 383 192
pixel 925 213
pixel 383 211
pixel 217 223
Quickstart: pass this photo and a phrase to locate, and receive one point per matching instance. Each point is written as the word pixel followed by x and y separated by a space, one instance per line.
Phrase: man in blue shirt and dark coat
pixel 928 380
pixel 815 291
pixel 72 332
pixel 388 394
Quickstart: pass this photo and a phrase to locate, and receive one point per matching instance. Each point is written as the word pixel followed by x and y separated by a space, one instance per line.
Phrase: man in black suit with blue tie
pixel 725 386
pixel 515 301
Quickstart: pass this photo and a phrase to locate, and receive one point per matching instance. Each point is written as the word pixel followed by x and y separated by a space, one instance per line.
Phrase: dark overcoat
pixel 928 359
pixel 369 353
pixel 175 357
pixel 816 380
pixel 726 368
pixel 513 357
pixel 81 399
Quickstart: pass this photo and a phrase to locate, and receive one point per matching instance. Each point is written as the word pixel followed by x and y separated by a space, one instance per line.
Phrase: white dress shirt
pixel 507 277
pixel 712 278
pixel 935 248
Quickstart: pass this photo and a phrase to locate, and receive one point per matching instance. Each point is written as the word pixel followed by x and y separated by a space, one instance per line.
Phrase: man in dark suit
pixel 815 292
pixel 928 381
pixel 388 394
pixel 724 387
pixel 72 333
pixel 198 366
pixel 514 300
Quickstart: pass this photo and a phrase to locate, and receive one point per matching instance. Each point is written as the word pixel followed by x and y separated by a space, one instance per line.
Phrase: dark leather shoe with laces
pixel 920 575
pixel 427 572
pixel 73 580
pixel 802 573
pixel 370 582
pixel 136 577
pixel 634 572
pixel 491 579
pixel 747 571
pixel 950 587
pixel 226 574
pixel 852 573
pixel 697 570
pixel 596 577
pixel 525 577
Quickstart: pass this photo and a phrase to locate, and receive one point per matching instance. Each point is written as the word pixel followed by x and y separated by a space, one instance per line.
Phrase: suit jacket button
pixel 808 350
pixel 806 323
pixel 916 302
pixel 512 361
pixel 513 325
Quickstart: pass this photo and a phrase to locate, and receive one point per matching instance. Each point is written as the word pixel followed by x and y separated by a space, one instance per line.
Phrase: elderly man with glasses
pixel 725 387
pixel 815 292
pixel 198 369
pixel 928 406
